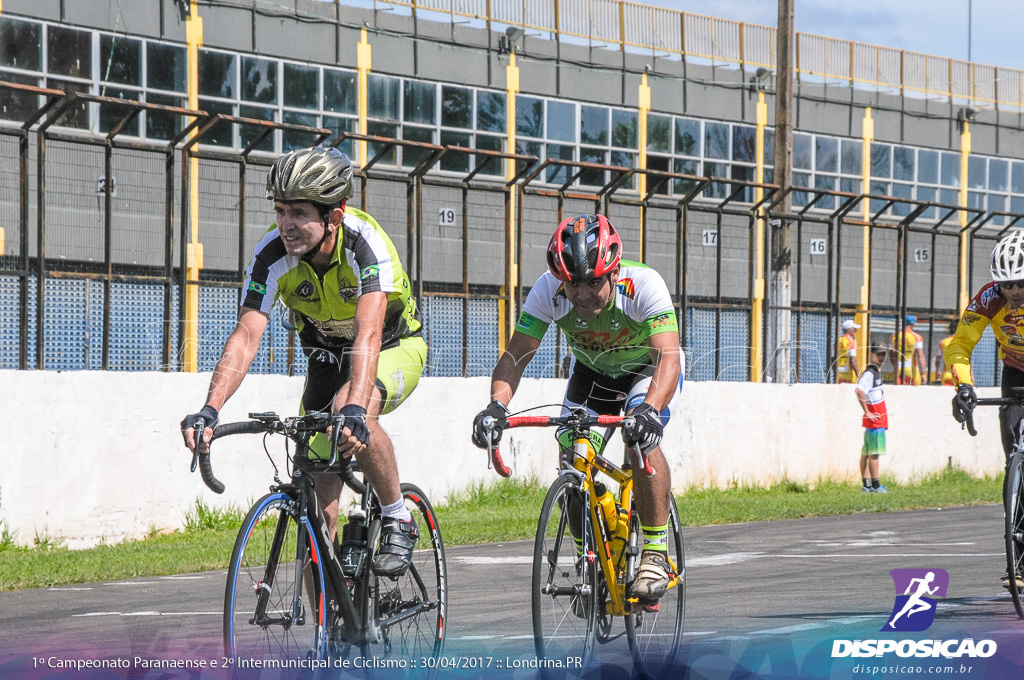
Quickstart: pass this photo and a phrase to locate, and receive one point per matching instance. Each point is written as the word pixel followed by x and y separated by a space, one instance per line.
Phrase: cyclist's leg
pixel 1010 416
pixel 326 371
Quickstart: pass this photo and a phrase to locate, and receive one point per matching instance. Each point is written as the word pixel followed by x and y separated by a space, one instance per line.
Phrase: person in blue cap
pixel 908 354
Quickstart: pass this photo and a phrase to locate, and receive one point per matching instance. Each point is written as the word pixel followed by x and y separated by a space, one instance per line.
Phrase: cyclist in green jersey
pixel 620 323
pixel 336 268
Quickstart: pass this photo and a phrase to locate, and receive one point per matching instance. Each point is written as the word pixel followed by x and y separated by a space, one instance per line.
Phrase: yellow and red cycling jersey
pixel 988 308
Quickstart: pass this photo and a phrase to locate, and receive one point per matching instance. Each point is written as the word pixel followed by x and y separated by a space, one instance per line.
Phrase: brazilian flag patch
pixel 257 287
pixel 367 272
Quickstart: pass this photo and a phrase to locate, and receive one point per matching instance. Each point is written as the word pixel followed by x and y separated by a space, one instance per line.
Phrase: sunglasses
pixel 1010 285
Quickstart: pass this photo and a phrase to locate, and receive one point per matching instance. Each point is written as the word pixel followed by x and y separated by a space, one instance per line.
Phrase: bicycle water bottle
pixel 353 544
pixel 608 510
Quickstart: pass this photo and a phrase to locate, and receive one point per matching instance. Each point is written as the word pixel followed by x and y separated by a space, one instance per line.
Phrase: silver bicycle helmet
pixel 313 174
pixel 1008 257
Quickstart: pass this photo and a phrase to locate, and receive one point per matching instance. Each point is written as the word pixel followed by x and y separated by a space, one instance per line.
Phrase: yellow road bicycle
pixel 587 553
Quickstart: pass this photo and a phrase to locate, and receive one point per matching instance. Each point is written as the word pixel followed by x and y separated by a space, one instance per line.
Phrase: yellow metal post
pixel 3 241
pixel 868 134
pixel 644 106
pixel 757 316
pixel 965 153
pixel 364 61
pixel 190 341
pixel 511 268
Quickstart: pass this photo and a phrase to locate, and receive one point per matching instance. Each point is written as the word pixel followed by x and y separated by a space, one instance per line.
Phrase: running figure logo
pixel 914 609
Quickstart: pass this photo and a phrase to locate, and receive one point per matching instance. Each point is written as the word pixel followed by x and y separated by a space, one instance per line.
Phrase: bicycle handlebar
pixel 294 427
pixel 576 420
pixel 1016 397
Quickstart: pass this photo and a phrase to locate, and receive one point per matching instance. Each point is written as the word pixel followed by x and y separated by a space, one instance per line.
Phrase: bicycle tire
pixel 411 609
pixel 269 614
pixel 655 637
pixel 564 583
pixel 1013 513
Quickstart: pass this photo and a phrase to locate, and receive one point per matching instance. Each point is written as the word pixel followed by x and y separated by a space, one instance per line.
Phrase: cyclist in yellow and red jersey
pixel 1000 305
pixel 909 359
pixel 942 372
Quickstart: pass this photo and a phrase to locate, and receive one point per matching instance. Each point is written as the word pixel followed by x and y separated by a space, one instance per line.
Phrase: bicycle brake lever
pixel 200 429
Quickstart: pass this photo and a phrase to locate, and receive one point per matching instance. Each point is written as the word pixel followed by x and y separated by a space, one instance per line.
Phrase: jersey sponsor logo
pixel 599 340
pixel 526 322
pixel 305 290
pixel 369 271
pixel 580 323
pixel 989 296
pixel 257 287
pixel 348 292
pixel 627 287
pixel 665 319
pixel 970 317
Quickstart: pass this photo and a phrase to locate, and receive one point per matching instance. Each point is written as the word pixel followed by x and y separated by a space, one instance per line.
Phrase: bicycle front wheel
pixel 275 582
pixel 564 575
pixel 410 610
pixel 1013 511
pixel 655 633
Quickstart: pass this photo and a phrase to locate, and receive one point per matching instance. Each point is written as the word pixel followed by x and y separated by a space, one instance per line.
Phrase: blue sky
pixel 936 27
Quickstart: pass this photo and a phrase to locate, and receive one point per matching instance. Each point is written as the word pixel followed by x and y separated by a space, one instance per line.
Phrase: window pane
pixel 420 100
pixel 624 124
pixel 491 166
pixel 561 121
pixel 456 107
pixel 20 44
pixel 769 152
pixel 249 133
pixel 113 114
pixel 339 91
pixel 902 191
pixel 716 189
pixel 852 157
pixel 593 125
pixel 412 156
pixel 291 139
pixel 927 195
pixel 716 140
pixel 879 189
pixel 529 148
pixel 529 117
pixel 490 111
pixel 623 159
pixel 997 174
pixel 801 179
pixel 69 52
pixel 976 175
pixel 826 154
pixel 163 125
pixel 685 166
pixel 301 86
pixel 216 74
pixel 120 60
pixel 379 129
pixel 221 134
pixel 927 167
pixel 659 134
pixel 1017 182
pixel 338 126
pixel 78 115
pixel 455 161
pixel 825 183
pixel 881 160
pixel 802 151
pixel 687 137
pixel 903 163
pixel 559 174
pixel 743 173
pixel 951 169
pixel 744 144
pixel 166 67
pixel 383 97
pixel 15 105
pixel 593 176
pixel 259 80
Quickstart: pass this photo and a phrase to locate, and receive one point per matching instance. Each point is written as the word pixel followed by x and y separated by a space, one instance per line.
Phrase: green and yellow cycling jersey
pixel 364 261
pixel 615 341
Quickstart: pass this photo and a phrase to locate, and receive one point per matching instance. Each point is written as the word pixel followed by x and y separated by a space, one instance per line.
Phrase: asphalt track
pixel 764 599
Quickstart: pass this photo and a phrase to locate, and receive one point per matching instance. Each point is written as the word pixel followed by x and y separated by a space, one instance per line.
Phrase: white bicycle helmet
pixel 1008 257
pixel 313 174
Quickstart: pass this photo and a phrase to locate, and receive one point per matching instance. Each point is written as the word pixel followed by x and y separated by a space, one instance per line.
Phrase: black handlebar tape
pixel 206 468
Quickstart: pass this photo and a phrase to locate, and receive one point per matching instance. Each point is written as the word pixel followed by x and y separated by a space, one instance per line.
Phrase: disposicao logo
pixel 916 590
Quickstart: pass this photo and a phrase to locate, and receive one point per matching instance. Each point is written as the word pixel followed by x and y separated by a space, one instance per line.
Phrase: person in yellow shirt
pixel 846 354
pixel 908 348
pixel 998 305
pixel 942 372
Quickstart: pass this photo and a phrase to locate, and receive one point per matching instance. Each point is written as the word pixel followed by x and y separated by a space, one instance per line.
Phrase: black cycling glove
pixel 646 430
pixel 209 416
pixel 495 410
pixel 964 402
pixel 355 421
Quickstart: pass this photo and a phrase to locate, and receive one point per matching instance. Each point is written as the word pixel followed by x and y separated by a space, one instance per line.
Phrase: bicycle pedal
pixel 639 605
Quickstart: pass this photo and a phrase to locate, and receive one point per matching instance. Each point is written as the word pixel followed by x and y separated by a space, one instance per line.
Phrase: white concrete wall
pixel 97 456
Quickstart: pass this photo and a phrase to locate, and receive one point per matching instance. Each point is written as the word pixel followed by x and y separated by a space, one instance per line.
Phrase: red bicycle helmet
pixel 583 248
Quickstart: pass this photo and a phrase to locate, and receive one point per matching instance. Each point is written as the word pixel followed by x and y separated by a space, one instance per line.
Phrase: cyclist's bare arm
pixel 235 359
pixel 509 369
pixel 665 355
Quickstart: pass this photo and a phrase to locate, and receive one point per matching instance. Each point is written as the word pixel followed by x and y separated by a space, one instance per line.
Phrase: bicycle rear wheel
pixel 655 635
pixel 1013 512
pixel 269 613
pixel 564 575
pixel 411 609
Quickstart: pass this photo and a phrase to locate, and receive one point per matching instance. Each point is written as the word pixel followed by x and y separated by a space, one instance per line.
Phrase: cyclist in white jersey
pixel 620 323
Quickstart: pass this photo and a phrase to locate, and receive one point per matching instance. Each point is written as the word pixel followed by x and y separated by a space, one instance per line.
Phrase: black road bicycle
pixel 1013 497
pixel 295 595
